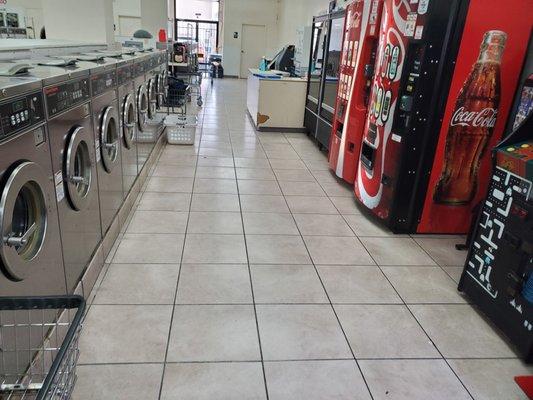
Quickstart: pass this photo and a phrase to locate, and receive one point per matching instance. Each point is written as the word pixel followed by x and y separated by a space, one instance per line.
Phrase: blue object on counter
pixel 263 65
pixel 527 291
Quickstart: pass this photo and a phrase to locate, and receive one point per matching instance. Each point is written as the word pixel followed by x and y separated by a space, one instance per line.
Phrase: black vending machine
pixel 498 273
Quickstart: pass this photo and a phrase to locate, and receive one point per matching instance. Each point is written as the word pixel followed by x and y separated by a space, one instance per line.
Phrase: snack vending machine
pixel 357 69
pixel 445 77
pixel 498 273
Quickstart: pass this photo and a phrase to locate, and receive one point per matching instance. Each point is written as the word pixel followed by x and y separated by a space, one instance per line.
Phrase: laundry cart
pixel 39 346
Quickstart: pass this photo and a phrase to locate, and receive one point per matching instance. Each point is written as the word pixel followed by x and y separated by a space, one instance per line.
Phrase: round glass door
pixel 128 121
pixel 78 169
pixel 161 88
pixel 109 139
pixel 23 219
pixel 142 107
pixel 152 98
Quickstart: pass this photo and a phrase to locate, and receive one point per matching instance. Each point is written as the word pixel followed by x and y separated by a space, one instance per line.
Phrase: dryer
pixel 30 247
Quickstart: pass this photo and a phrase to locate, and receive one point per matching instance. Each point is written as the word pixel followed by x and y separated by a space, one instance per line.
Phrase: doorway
pixel 253 47
pixel 204 33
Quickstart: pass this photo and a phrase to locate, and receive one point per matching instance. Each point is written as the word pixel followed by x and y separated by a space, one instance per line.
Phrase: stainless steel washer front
pixel 108 147
pixel 74 161
pixel 31 263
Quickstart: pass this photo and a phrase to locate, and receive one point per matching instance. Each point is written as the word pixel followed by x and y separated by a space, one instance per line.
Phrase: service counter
pixel 275 101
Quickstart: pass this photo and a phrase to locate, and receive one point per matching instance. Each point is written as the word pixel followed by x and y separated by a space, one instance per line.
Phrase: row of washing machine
pixel 75 134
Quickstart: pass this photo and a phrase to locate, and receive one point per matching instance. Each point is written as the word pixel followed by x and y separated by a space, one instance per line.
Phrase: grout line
pixel 179 272
pixel 251 285
pixel 326 292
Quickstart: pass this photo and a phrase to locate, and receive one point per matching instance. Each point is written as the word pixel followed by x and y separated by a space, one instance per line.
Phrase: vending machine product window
pixel 316 66
pixel 332 68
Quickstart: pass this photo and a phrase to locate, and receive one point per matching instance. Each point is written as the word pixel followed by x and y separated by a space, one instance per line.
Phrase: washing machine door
pixel 128 121
pixel 78 169
pixel 162 88
pixel 142 107
pixel 152 98
pixel 109 140
pixel 23 219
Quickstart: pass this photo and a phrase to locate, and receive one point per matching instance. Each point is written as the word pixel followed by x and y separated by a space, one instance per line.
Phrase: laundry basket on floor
pixel 181 129
pixel 39 346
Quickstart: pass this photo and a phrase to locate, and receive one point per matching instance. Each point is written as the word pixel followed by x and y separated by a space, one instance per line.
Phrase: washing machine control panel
pixel 103 82
pixel 124 74
pixel 139 68
pixel 62 97
pixel 21 113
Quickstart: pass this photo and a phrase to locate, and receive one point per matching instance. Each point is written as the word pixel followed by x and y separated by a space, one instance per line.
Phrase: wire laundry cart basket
pixel 39 346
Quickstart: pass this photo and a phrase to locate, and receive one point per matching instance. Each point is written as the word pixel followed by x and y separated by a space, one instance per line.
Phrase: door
pixel 253 47
pixel 23 219
pixel 79 169
pixel 109 137
pixel 128 121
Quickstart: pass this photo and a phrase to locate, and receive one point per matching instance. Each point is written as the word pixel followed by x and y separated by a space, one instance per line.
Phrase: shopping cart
pixel 39 346
pixel 194 80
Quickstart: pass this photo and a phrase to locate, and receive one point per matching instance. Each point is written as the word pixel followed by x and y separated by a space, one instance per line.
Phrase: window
pixel 197 21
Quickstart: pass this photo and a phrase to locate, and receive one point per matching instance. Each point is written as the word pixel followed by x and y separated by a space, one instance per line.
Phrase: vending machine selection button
pixel 406 103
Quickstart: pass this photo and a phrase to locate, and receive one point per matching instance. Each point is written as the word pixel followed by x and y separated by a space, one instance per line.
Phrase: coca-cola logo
pixel 485 118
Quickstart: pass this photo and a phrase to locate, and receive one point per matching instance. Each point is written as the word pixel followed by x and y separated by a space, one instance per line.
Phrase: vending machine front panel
pixel 357 70
pixel 490 58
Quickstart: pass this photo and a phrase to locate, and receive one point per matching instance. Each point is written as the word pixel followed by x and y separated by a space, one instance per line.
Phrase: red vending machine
pixel 357 69
pixel 446 74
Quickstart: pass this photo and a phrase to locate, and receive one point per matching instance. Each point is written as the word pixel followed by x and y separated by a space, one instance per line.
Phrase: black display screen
pixel 18 105
pixel 21 113
pixel 62 97
pixel 124 74
pixel 102 82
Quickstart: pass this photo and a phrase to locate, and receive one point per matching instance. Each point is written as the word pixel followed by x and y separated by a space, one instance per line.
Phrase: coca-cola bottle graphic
pixel 472 124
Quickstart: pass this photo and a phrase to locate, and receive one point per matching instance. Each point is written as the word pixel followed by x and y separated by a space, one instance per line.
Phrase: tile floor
pixel 248 272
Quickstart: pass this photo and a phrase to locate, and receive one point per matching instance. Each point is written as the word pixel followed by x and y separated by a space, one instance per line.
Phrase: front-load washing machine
pixel 30 246
pixel 103 78
pixel 145 132
pixel 74 159
pixel 127 121
pixel 31 263
pixel 153 71
pixel 162 79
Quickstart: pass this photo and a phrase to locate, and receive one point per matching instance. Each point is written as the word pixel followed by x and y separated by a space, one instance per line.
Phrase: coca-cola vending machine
pixel 357 69
pixel 445 78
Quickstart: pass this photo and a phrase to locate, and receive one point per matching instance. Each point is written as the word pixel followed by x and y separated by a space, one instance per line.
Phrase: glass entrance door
pixel 204 33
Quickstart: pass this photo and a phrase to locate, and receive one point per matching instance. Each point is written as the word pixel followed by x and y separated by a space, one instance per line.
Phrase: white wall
pixel 154 16
pixel 126 17
pixel 297 13
pixel 32 9
pixel 239 12
pixel 187 9
pixel 79 20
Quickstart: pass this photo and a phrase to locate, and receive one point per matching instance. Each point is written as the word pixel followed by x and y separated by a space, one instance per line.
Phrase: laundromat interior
pixel 266 200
